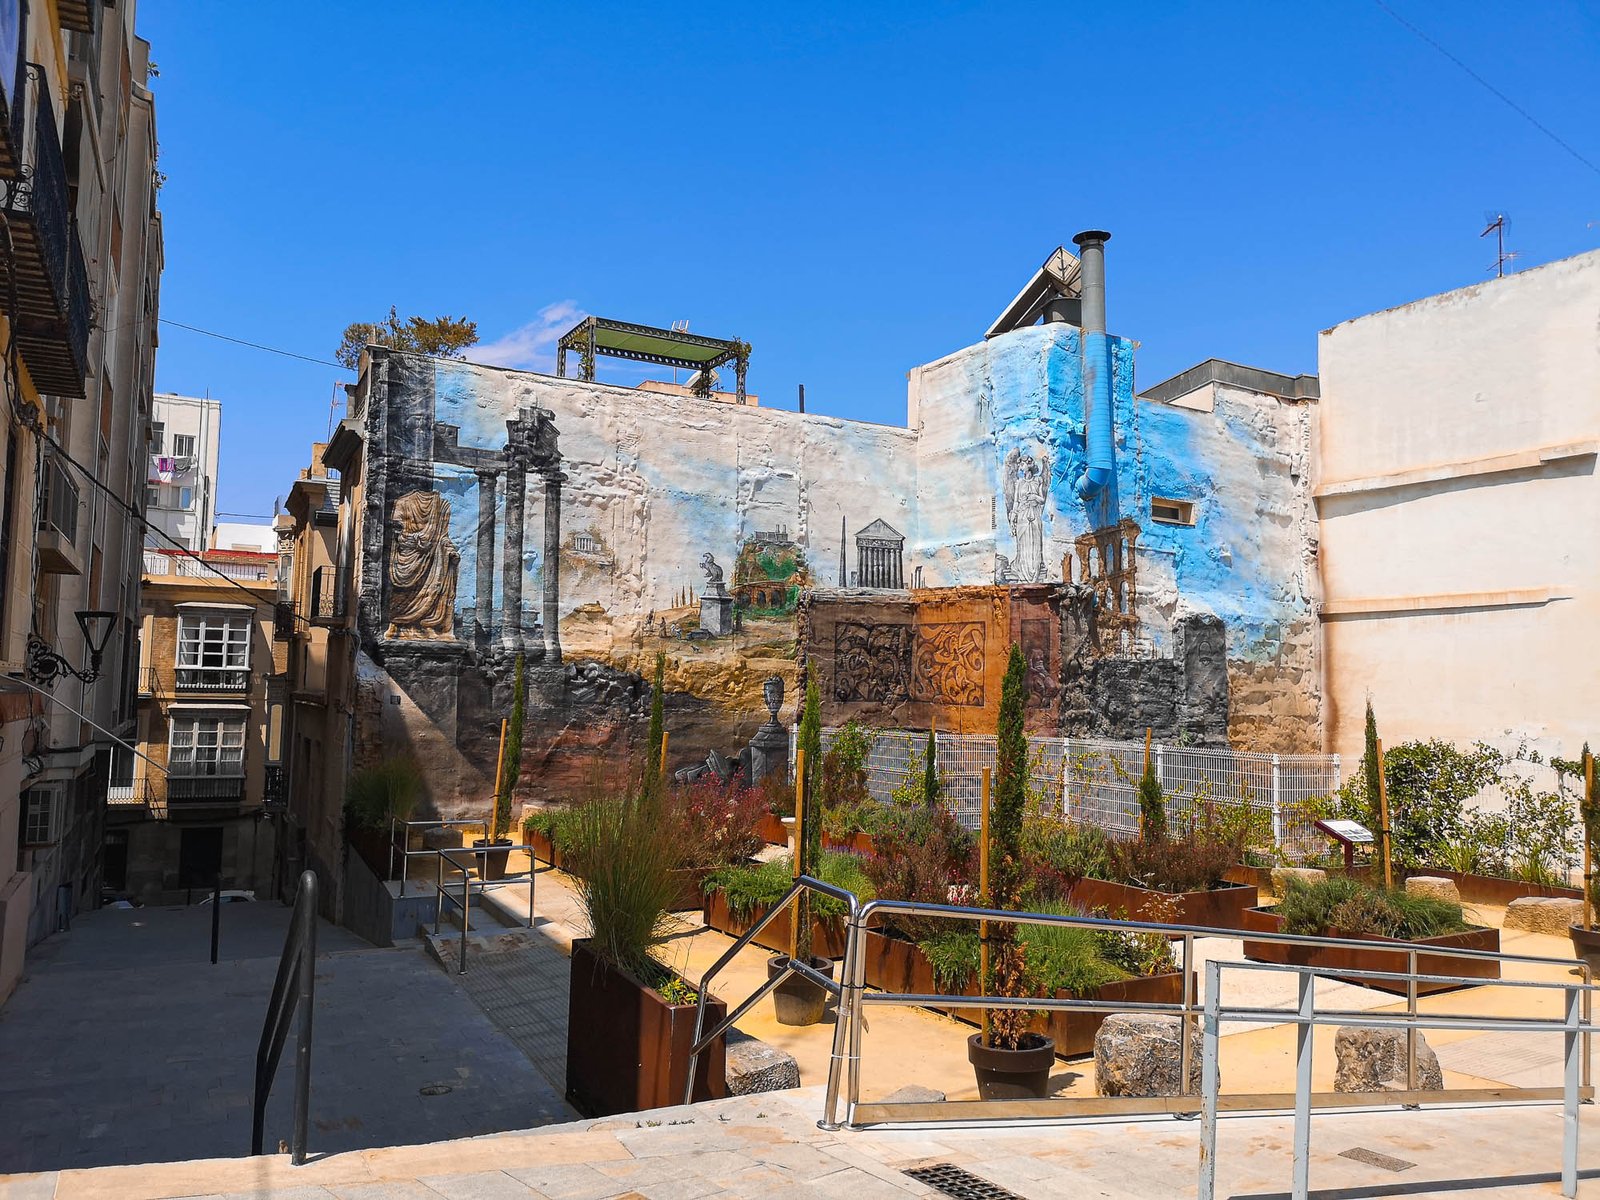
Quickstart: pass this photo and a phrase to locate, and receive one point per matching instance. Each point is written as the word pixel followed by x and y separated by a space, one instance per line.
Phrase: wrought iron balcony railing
pixel 52 283
pixel 212 679
pixel 194 791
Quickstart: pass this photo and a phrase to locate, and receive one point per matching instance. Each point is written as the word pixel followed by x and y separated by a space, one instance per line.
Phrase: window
pixel 186 498
pixel 152 497
pixel 183 445
pixel 206 746
pixel 1171 512
pixel 214 651
pixel 158 433
pixel 39 817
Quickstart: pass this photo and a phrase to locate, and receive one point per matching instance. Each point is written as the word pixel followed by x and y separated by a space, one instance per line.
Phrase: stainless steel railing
pixel 293 990
pixel 454 857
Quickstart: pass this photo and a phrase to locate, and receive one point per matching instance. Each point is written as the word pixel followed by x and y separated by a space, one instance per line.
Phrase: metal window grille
pixel 1094 781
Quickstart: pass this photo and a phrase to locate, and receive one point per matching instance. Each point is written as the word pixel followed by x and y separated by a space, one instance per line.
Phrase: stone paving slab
pixel 124 1044
pixel 769 1147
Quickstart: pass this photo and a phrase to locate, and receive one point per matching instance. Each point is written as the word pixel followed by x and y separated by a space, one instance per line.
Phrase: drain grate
pixel 1373 1159
pixel 961 1184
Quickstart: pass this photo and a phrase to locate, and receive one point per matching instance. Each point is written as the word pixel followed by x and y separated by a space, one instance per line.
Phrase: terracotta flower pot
pixel 493 864
pixel 1586 945
pixel 798 1000
pixel 1020 1074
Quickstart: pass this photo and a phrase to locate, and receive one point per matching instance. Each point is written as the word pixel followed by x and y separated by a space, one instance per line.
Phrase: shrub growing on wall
pixel 1007 966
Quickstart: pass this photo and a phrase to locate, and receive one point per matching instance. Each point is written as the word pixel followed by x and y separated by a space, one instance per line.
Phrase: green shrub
pixel 626 884
pixel 1340 903
pixel 751 889
pixel 511 768
pixel 953 953
pixel 386 792
pixel 1188 862
pixel 1152 804
pixel 1066 958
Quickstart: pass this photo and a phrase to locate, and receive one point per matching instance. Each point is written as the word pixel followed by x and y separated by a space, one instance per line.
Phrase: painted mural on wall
pixel 589 527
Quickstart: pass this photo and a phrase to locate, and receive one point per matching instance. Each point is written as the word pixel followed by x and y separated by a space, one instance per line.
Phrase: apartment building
pixel 79 193
pixel 181 484
pixel 317 546
pixel 195 811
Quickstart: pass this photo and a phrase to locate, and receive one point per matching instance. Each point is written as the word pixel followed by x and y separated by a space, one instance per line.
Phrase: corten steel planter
pixel 1586 945
pixel 373 845
pixel 1494 889
pixel 1020 1074
pixel 856 843
pixel 893 965
pixel 772 830
pixel 493 864
pixel 541 846
pixel 1215 908
pixel 1380 957
pixel 798 1001
pixel 691 889
pixel 827 934
pixel 627 1048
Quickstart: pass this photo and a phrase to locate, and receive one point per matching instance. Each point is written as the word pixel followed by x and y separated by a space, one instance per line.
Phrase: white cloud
pixel 531 346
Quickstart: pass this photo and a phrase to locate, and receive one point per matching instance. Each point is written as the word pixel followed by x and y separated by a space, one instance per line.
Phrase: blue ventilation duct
pixel 1102 464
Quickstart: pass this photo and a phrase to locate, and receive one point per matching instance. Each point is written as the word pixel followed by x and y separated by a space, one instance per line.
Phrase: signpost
pixel 1348 834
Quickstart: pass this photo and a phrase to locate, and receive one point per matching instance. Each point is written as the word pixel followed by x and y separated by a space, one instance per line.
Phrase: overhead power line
pixel 1505 99
pixel 321 362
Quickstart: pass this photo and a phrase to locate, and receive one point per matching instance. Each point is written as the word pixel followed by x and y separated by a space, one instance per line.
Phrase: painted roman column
pixel 550 571
pixel 488 484
pixel 511 569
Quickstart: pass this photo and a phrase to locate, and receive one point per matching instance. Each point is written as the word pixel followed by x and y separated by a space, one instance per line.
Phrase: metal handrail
pixel 701 1039
pixel 1573 1025
pixel 844 1071
pixel 442 893
pixel 298 964
pixel 408 826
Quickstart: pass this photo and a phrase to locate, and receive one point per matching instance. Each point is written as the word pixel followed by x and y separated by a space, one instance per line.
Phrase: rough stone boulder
pixel 1282 876
pixel 1544 914
pixel 914 1093
pixel 1435 887
pixel 1374 1060
pixel 755 1066
pixel 1137 1054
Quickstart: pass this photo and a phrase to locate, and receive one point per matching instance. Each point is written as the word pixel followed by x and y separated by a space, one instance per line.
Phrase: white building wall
pixel 201 419
pixel 1458 499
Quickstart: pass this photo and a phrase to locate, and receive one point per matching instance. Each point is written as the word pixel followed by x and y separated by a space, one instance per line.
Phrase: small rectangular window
pixel 1164 511
pixel 183 445
pixel 39 817
pixel 186 498
pixel 158 432
pixel 152 497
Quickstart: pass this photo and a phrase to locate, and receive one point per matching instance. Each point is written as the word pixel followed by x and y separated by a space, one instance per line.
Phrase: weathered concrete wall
pixel 1458 500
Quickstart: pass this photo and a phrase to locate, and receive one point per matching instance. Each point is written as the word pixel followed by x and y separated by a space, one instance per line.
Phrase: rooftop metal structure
pixel 594 336
pixel 1058 278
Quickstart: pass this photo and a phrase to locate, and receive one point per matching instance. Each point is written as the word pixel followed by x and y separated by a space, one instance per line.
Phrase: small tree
pixel 1152 804
pixel 1589 809
pixel 652 753
pixel 1007 967
pixel 930 772
pixel 443 337
pixel 506 785
pixel 808 837
pixel 1369 759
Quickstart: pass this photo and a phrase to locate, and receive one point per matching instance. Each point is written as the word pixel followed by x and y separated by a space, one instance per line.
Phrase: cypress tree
pixel 1369 766
pixel 512 767
pixel 1007 1027
pixel 930 772
pixel 652 754
pixel 808 838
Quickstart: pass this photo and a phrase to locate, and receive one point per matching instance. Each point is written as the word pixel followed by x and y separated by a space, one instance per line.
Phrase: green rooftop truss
pixel 594 336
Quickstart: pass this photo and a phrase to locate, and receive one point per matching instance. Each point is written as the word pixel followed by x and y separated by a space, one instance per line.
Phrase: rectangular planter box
pixel 893 965
pixel 772 830
pixel 1337 958
pixel 540 846
pixel 1492 889
pixel 856 843
pixel 1216 908
pixel 627 1048
pixel 827 936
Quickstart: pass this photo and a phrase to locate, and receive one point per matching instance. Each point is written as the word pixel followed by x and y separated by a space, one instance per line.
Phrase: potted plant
pixel 494 862
pixel 1585 937
pixel 376 799
pixel 798 1000
pixel 1010 1061
pixel 631 1017
pixel 1344 907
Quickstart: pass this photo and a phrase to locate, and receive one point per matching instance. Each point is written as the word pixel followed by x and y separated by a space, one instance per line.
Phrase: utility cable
pixel 1505 99
pixel 321 362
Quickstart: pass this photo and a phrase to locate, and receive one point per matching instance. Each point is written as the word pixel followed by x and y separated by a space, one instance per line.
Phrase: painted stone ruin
pixel 588 527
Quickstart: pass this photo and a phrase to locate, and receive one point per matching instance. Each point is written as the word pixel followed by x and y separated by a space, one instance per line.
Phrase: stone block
pixel 755 1066
pixel 1137 1054
pixel 1435 887
pixel 716 615
pixel 1281 877
pixel 1553 915
pixel 914 1094
pixel 1374 1060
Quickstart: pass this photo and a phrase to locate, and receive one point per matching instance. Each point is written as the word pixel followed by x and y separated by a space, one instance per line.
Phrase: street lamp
pixel 45 666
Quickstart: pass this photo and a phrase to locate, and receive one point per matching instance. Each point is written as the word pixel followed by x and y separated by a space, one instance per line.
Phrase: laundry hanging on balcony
pixel 165 470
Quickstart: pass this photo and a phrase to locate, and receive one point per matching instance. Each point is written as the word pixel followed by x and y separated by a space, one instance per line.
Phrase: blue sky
pixel 854 189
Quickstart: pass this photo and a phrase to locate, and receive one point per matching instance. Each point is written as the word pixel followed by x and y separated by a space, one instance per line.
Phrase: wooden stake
pixel 799 844
pixel 499 773
pixel 1588 865
pixel 983 895
pixel 1383 818
pixel 662 774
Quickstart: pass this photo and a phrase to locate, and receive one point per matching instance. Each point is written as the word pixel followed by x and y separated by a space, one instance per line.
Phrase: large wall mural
pixel 589 527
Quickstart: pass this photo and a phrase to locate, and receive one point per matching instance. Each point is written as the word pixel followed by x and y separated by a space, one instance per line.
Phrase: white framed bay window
pixel 202 744
pixel 214 649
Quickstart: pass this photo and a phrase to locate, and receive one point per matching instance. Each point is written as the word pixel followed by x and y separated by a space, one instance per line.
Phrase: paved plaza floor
pixel 124 1044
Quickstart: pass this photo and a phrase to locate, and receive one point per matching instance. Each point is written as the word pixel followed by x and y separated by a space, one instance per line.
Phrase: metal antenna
pixel 679 327
pixel 1497 226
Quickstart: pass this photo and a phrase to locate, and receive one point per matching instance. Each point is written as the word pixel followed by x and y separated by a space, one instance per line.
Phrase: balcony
pixel 186 793
pixel 77 15
pixel 52 283
pixel 135 800
pixel 327 604
pixel 58 522
pixel 212 679
pixel 149 682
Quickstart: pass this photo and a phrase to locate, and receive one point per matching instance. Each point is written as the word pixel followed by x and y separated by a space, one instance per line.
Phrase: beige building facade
pixel 1459 502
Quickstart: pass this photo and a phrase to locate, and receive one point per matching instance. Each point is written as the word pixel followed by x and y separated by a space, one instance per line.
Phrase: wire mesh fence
pixel 1094 781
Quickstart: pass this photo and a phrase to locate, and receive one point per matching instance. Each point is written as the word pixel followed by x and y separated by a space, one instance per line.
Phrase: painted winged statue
pixel 1026 482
